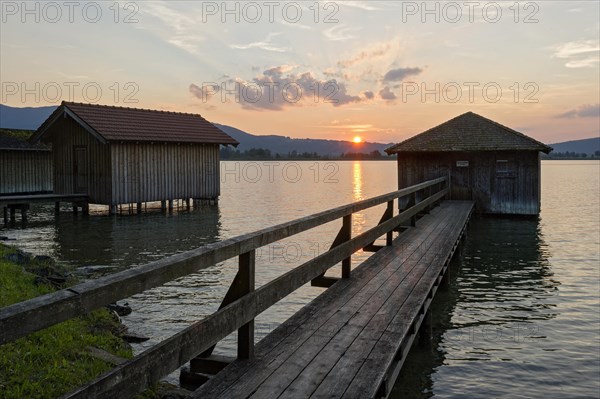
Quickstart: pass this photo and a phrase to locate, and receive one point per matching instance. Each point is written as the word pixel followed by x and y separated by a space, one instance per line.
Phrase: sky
pixel 380 70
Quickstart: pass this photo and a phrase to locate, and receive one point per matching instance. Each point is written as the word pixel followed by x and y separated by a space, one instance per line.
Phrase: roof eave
pixel 394 150
pixel 63 111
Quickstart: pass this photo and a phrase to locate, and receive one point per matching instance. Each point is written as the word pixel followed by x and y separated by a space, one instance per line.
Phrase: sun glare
pixel 357 140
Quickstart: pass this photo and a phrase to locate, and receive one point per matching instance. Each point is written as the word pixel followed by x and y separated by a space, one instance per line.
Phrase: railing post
pixel 247 277
pixel 390 211
pixel 413 202
pixel 242 284
pixel 429 192
pixel 346 233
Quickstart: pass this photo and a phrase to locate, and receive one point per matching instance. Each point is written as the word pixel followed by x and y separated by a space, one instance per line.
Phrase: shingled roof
pixel 110 123
pixel 469 132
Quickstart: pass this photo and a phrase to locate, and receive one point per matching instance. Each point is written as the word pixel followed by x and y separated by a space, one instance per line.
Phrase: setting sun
pixel 357 140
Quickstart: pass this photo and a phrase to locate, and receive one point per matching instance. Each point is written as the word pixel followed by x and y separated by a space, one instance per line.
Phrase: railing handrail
pixel 25 317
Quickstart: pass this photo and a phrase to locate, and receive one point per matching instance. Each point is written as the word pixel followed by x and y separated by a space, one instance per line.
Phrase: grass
pixel 54 361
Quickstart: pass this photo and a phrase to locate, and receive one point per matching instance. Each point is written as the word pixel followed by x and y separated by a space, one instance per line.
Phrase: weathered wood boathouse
pixel 24 168
pixel 120 155
pixel 497 167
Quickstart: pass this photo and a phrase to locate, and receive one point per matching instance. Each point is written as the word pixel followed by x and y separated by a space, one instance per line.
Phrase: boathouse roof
pixel 469 132
pixel 110 123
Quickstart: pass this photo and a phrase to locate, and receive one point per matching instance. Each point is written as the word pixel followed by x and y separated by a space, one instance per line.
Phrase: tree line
pixel 228 153
pixel 571 155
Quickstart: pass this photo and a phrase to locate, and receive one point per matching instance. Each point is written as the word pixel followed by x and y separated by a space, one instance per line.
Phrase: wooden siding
pixel 500 182
pixel 66 136
pixel 25 171
pixel 145 172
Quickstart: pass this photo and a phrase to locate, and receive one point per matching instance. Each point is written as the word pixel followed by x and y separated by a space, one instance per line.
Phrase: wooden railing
pixel 241 304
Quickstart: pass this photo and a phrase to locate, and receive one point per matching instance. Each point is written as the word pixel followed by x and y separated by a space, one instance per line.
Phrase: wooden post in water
pixel 163 205
pixel 5 211
pixel 57 206
pixel 139 207
pixel 24 209
pixel 425 331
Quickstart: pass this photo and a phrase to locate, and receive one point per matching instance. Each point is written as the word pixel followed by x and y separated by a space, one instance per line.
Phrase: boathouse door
pixel 80 169
pixel 460 180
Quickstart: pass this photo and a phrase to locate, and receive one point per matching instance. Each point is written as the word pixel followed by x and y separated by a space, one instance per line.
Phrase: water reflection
pixel 357 181
pixel 100 244
pixel 501 287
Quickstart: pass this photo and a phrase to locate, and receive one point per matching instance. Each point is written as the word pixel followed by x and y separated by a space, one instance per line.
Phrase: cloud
pixel 387 94
pixel 206 92
pixel 363 5
pixel 398 74
pixel 339 33
pixel 579 54
pixel 584 111
pixel 365 55
pixel 177 28
pixel 369 95
pixel 266 44
pixel 277 88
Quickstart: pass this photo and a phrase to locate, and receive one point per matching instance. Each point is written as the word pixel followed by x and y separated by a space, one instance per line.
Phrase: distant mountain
pixel 584 146
pixel 32 118
pixel 284 145
pixel 29 118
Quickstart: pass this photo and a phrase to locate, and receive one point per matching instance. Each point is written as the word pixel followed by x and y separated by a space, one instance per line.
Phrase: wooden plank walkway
pixel 351 341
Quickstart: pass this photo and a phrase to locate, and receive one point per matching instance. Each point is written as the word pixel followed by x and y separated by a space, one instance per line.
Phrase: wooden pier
pixel 10 203
pixel 351 341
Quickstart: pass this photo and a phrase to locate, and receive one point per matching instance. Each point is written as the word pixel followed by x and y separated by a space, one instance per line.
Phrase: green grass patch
pixel 54 361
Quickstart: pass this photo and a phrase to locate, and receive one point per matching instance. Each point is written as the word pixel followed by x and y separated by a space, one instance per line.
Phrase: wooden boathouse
pixel 24 168
pixel 491 164
pixel 349 342
pixel 118 155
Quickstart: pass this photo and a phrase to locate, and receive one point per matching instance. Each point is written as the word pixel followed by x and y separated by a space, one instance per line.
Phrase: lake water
pixel 521 317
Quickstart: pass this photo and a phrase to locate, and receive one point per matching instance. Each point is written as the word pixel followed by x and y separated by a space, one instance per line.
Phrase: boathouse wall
pixel 500 182
pixel 25 171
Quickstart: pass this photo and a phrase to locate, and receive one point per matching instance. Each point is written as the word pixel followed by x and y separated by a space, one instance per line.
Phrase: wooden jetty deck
pixel 349 342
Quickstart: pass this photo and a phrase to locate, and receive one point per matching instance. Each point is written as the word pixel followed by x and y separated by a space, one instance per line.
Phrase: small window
pixel 504 168
pixel 502 165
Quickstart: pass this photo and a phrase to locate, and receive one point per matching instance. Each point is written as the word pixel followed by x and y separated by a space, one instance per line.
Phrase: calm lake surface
pixel 521 318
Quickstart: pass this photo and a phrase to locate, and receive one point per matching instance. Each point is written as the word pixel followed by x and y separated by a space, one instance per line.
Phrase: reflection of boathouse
pixel 497 167
pixel 119 155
